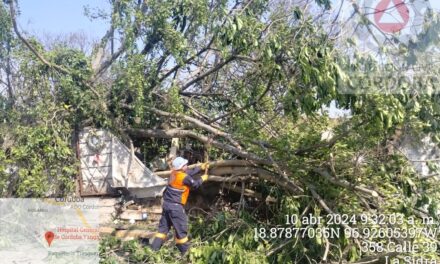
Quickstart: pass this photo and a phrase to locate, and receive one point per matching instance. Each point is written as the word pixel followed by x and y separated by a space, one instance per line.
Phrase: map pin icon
pixel 49 237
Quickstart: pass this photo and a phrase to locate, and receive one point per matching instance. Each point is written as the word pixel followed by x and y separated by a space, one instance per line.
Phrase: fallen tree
pixel 246 81
pixel 237 168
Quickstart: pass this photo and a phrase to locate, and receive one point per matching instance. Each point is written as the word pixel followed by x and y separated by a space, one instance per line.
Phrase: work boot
pixel 183 248
pixel 157 244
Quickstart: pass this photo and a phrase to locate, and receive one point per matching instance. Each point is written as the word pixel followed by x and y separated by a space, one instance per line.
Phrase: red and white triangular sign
pixel 391 16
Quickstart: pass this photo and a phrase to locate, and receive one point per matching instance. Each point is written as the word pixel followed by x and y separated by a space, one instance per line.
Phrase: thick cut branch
pixel 218 164
pixel 214 178
pixel 281 180
pixel 242 167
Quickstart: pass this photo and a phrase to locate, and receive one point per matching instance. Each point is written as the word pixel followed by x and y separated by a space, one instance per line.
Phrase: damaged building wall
pixel 107 165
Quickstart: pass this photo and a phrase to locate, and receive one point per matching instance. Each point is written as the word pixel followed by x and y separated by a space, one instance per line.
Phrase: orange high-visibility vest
pixel 176 182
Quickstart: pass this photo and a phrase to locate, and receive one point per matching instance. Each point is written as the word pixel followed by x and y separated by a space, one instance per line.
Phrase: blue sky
pixel 55 17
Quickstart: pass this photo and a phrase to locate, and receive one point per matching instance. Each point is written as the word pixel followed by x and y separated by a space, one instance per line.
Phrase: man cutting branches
pixel 174 199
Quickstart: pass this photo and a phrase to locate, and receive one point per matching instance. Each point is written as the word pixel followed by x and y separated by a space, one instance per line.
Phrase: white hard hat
pixel 179 162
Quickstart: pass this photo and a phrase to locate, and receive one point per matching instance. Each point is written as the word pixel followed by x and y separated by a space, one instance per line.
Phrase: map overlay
pixel 52 230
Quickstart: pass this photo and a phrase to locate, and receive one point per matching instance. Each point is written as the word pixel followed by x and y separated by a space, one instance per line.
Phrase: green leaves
pixel 390 110
pixel 235 245
pixel 41 153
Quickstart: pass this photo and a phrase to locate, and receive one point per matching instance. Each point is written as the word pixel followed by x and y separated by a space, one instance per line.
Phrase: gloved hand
pixel 204 177
pixel 204 166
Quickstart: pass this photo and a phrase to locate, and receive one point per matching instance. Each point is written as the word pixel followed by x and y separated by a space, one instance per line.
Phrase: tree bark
pixel 243 168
